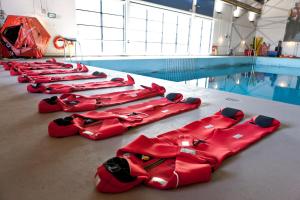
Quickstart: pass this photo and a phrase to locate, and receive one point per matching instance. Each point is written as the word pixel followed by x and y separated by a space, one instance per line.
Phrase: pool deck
pixel 37 167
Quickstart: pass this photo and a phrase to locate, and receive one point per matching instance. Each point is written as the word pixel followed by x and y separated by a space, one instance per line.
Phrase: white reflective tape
pixel 159 180
pixel 209 126
pixel 164 111
pixel 133 95
pixel 237 136
pixel 177 179
pixel 189 151
pixel 88 132
pixel 185 143
pixel 97 179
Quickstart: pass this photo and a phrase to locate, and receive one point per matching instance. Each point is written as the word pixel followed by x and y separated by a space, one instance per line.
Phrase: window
pixel 100 26
pixel 117 27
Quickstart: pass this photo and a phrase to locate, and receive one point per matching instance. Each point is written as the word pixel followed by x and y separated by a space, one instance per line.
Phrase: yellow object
pixel 145 158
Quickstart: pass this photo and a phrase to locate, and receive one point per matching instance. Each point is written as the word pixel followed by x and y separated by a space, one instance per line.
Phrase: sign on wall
pixel 292 30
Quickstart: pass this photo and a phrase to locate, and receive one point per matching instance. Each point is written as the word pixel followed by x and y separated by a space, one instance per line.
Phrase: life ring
pixel 59 42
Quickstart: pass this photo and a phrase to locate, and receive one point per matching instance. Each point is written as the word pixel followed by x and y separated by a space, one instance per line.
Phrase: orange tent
pixel 23 36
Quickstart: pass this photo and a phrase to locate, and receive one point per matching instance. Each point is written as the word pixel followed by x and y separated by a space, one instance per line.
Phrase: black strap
pixel 263 121
pixel 96 73
pixel 51 100
pixel 64 121
pixel 172 96
pixel 120 169
pixel 230 112
pixel 191 100
pixel 117 79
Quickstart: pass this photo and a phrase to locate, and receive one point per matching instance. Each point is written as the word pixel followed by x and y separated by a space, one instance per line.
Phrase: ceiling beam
pixel 244 6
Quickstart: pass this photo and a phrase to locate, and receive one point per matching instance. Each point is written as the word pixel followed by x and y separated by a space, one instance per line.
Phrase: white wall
pixel 64 24
pixel 271 25
pixel 229 32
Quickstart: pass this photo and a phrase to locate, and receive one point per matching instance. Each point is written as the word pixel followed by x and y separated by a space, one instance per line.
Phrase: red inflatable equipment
pixel 63 88
pixel 23 36
pixel 79 103
pixel 35 65
pixel 50 79
pixel 184 156
pixel 80 68
pixel 100 125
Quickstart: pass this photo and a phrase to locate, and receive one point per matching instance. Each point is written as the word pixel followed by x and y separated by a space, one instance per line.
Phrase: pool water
pixel 244 80
pixel 275 79
pixel 283 88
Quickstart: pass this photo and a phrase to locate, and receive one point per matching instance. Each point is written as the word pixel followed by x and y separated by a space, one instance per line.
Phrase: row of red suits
pixel 177 158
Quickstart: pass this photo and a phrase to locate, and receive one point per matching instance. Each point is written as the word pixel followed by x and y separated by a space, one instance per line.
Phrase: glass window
pixel 137 11
pixel 136 48
pixel 139 36
pixel 169 49
pixel 137 24
pixel 169 33
pixel 88 18
pixel 154 37
pixel 112 21
pixel 92 5
pixel 150 31
pixel 112 6
pixel 90 47
pixel 195 36
pixel 183 29
pixel 88 32
pixel 206 37
pixel 113 47
pixel 154 48
pixel 154 26
pixel 112 34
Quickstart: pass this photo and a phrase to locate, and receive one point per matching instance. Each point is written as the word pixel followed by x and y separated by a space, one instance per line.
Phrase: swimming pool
pixel 277 87
pixel 273 79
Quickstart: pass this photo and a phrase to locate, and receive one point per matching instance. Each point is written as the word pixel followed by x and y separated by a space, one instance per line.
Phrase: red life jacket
pixel 10 64
pixel 184 156
pixel 80 68
pixel 32 66
pixel 7 65
pixel 79 103
pixel 64 88
pixel 50 79
pixel 100 125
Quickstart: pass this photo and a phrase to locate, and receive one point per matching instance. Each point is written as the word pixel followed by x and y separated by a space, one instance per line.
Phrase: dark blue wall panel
pixel 179 4
pixel 205 7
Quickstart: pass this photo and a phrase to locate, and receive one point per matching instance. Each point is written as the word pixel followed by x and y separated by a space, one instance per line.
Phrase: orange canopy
pixel 23 36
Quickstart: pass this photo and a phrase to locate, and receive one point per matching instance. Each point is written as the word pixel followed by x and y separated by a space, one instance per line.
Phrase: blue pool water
pixel 273 79
pixel 277 87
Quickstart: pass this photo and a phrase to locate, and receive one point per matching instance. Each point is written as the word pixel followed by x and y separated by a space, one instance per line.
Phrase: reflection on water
pixel 284 88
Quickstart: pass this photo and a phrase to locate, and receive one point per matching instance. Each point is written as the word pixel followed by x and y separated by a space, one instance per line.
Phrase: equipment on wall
pixel 23 36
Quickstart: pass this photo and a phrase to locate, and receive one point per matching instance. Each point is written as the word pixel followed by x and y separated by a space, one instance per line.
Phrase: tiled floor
pixel 35 166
